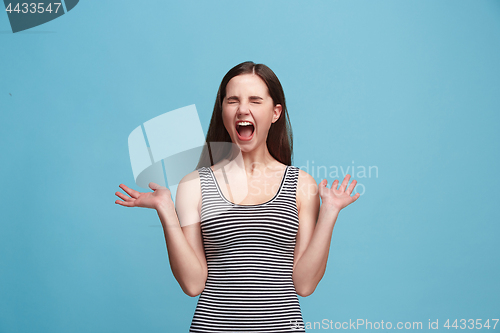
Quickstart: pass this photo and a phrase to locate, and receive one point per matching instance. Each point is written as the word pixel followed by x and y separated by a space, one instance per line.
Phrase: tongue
pixel 246 131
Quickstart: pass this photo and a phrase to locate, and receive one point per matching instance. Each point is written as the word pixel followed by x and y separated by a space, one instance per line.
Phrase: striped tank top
pixel 249 251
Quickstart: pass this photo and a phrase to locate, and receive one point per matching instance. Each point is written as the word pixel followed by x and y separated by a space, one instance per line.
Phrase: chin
pixel 244 147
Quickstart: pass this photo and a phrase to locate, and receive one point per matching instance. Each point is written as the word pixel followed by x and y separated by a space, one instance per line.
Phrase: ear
pixel 277 112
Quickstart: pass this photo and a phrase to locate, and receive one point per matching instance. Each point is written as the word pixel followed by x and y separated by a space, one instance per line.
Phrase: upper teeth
pixel 244 123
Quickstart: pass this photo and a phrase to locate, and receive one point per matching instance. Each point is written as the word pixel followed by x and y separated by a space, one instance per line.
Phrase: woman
pixel 247 232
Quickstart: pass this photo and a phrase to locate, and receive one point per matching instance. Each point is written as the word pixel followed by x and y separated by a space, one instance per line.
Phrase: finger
pixel 123 196
pixel 344 183
pixel 131 192
pixel 351 187
pixel 335 184
pixel 355 197
pixel 125 203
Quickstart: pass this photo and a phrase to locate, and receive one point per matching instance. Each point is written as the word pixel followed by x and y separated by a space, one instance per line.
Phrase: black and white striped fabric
pixel 249 251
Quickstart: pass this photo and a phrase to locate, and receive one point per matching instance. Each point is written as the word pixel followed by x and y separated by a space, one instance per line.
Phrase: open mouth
pixel 245 130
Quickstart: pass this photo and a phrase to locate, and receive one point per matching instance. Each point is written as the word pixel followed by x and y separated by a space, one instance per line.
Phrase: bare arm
pixel 184 244
pixel 185 263
pixel 315 229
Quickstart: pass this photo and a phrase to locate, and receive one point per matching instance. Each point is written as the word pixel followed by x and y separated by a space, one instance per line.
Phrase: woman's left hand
pixel 338 198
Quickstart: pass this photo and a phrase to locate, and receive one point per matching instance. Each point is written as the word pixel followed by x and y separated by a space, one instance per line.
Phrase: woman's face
pixel 247 99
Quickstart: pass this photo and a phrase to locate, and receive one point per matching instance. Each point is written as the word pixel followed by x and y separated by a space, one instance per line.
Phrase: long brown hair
pixel 279 139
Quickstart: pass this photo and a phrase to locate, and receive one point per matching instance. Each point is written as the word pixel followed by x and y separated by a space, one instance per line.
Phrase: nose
pixel 243 108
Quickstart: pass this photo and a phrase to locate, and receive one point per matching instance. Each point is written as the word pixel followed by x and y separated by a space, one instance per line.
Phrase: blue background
pixel 411 87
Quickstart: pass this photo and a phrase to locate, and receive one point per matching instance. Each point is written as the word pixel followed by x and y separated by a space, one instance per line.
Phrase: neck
pixel 255 160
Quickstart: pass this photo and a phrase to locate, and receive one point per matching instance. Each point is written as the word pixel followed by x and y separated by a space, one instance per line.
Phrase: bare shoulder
pixel 307 188
pixel 188 198
pixel 190 178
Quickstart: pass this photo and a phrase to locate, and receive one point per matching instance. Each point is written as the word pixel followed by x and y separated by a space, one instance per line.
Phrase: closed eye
pixel 256 99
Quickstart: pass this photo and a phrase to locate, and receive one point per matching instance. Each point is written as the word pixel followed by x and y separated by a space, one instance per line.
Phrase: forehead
pixel 247 84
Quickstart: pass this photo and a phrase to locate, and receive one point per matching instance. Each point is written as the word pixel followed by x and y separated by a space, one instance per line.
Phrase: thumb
pixel 322 185
pixel 154 186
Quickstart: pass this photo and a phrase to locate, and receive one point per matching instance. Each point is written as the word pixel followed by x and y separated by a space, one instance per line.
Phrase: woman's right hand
pixel 160 196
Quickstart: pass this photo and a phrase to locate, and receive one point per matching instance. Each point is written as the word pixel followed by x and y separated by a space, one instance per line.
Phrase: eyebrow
pixel 237 99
